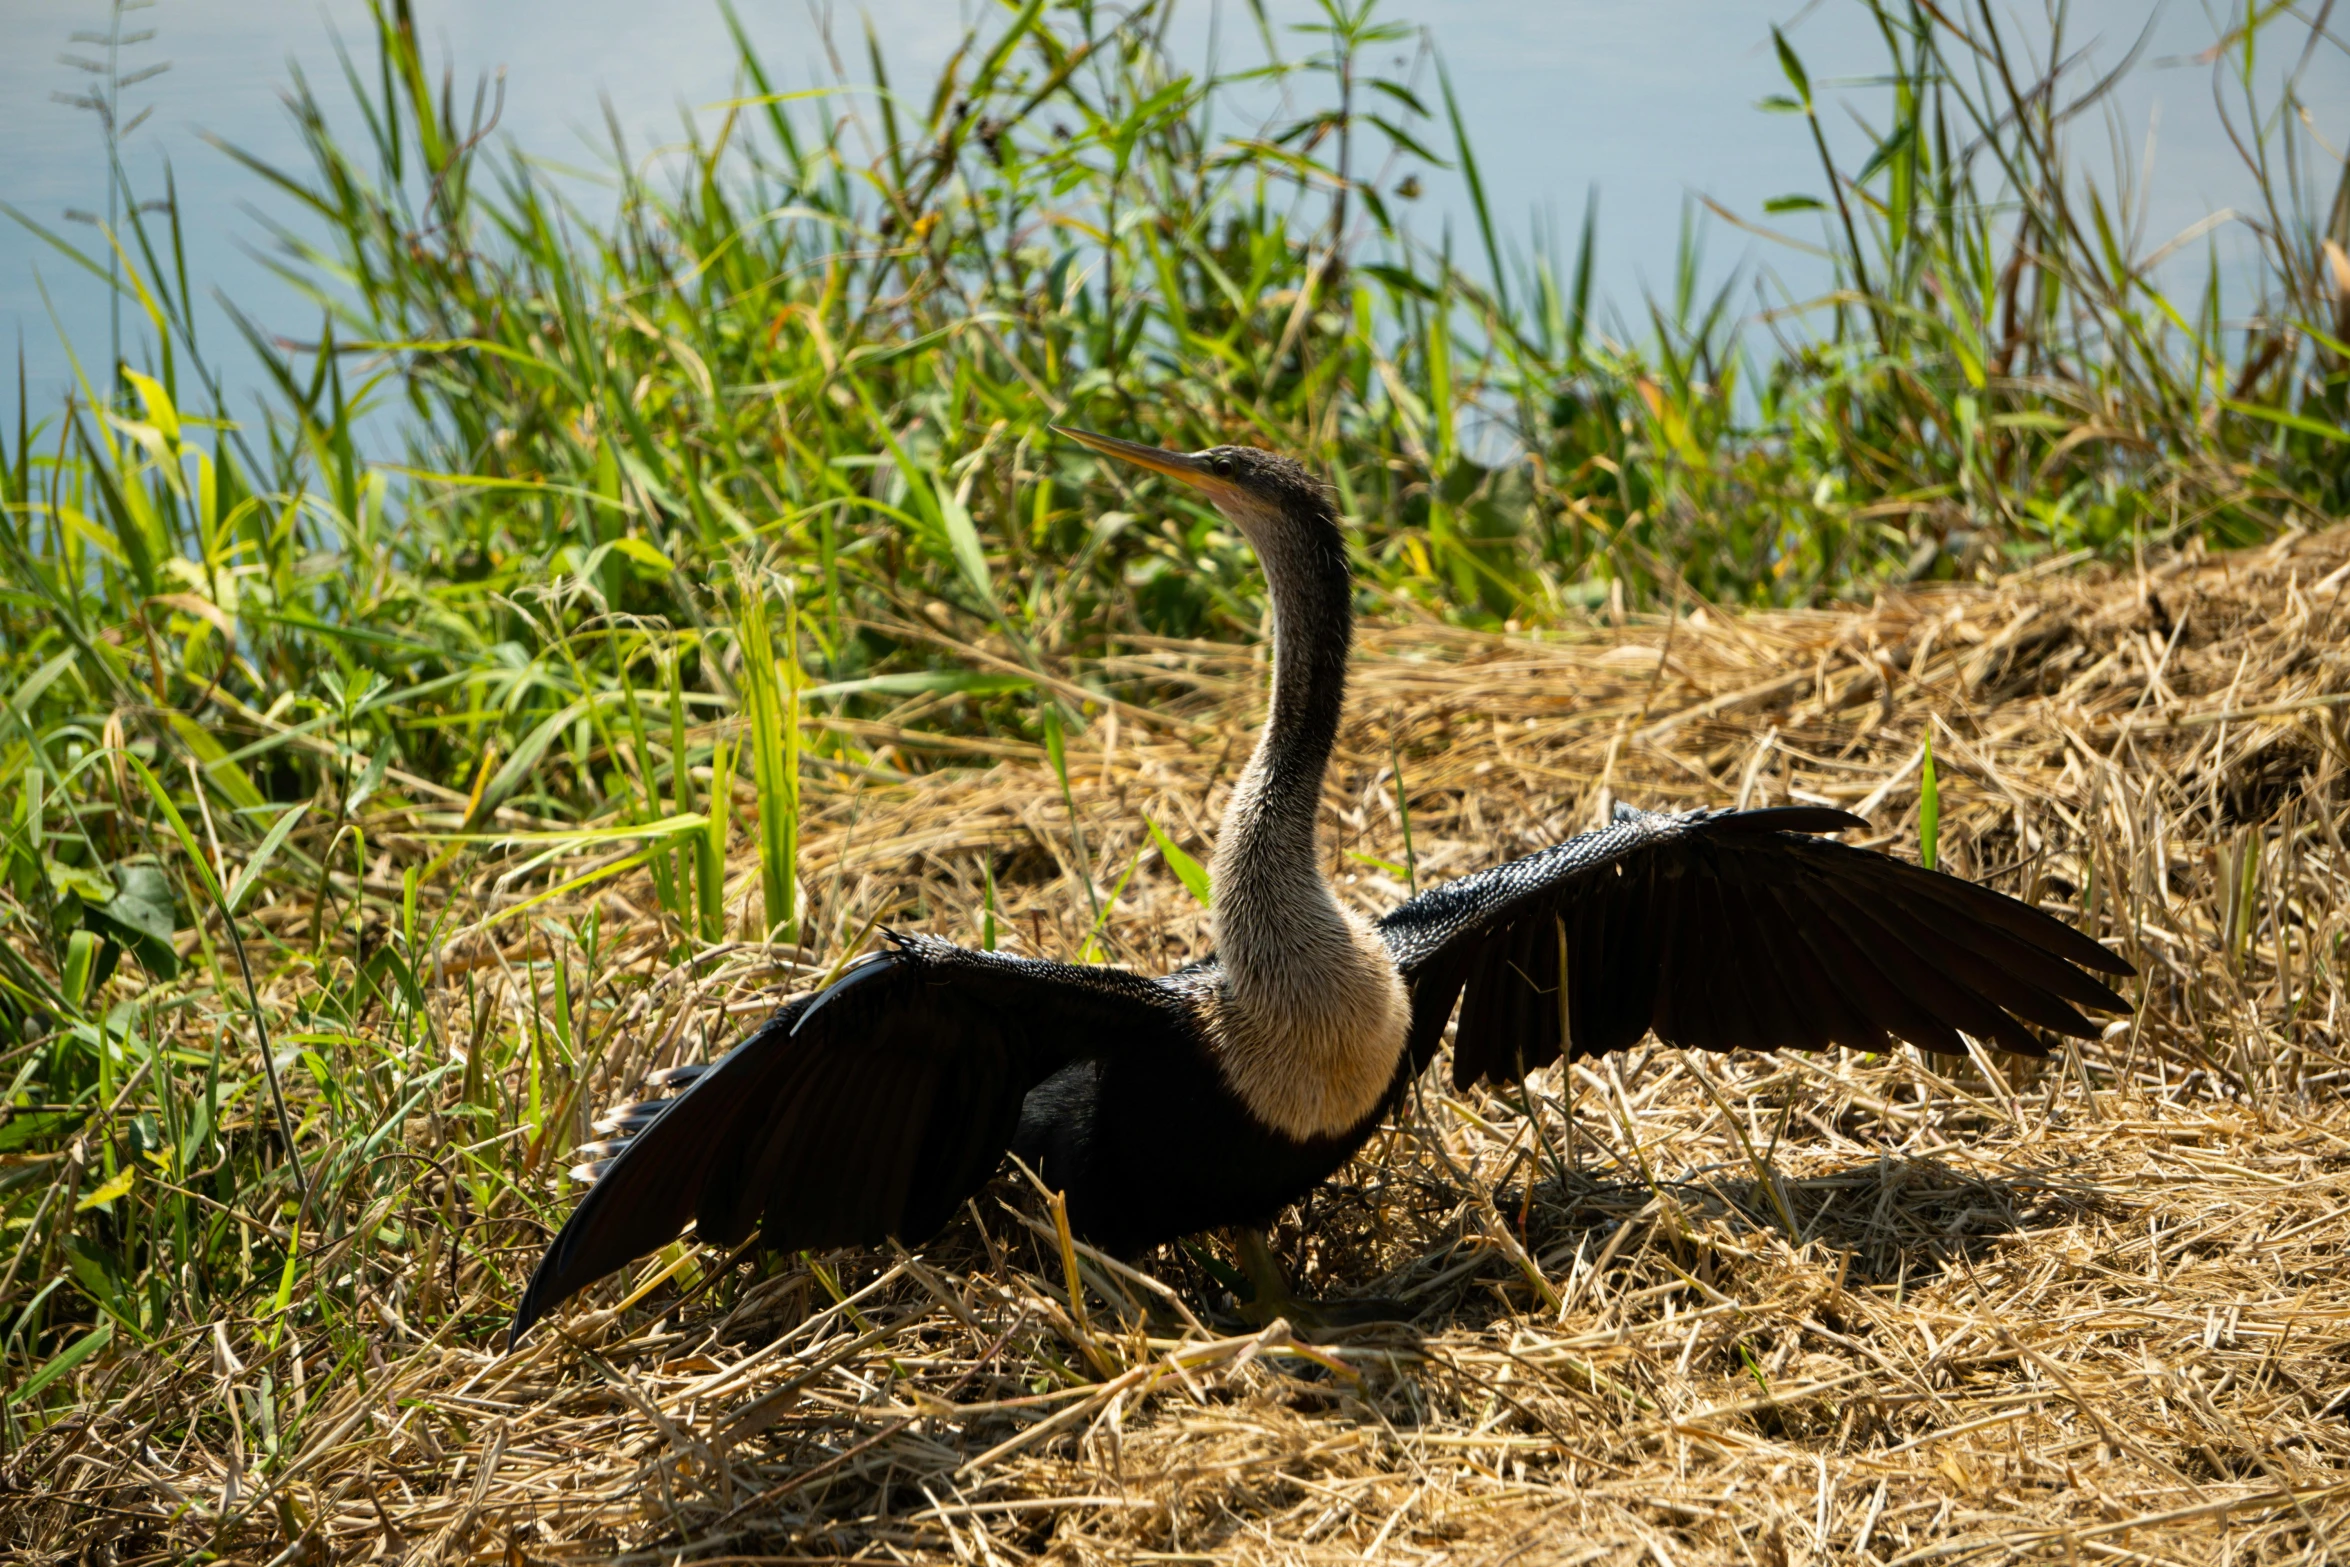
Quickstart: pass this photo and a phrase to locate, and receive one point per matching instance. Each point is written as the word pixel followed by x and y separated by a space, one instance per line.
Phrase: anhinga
pixel 1221 1093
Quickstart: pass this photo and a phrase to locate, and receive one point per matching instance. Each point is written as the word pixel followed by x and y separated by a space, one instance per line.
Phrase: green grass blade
pixel 774 721
pixel 1929 807
pixel 258 862
pixel 1188 871
pixel 710 846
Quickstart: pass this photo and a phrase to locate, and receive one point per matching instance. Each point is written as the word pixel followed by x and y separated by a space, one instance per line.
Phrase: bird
pixel 1217 1095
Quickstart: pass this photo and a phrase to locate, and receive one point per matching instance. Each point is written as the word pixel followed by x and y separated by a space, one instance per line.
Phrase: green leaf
pixel 105 1195
pixel 1399 872
pixel 710 845
pixel 1461 481
pixel 1400 280
pixel 1887 150
pixel 81 953
pixel 157 402
pixel 1401 94
pixel 963 536
pixel 2291 421
pixel 768 690
pixel 957 682
pixel 643 554
pixel 1056 750
pixel 1793 67
pixel 674 826
pixel 370 779
pixel 225 774
pixel 987 906
pixel 1189 871
pixel 285 1283
pixel 1408 142
pixel 534 745
pixel 484 481
pixel 1055 747
pixel 81 881
pixel 1795 204
pixel 65 1360
pixel 270 844
pixel 1929 808
pixel 35 1128
pixel 601 873
pixel 139 917
pixel 40 680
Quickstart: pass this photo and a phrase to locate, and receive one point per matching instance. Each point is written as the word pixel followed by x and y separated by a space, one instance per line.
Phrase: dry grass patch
pixel 1670 1308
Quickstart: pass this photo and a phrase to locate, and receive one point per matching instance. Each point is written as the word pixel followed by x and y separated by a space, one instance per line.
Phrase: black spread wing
pixel 870 1109
pixel 1729 930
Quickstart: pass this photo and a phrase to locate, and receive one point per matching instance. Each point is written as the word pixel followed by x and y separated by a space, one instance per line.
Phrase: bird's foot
pixel 1271 1299
pixel 1323 1316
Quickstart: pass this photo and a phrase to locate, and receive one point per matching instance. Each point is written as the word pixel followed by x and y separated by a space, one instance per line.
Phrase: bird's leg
pixel 1269 1293
pixel 1272 1297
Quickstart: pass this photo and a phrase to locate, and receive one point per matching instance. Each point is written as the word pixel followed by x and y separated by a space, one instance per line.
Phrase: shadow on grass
pixel 1596 1236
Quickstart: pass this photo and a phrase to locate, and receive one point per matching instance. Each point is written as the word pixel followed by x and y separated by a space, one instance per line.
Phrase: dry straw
pixel 1695 1310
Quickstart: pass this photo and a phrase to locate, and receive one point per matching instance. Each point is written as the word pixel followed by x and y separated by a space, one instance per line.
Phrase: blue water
pixel 1650 103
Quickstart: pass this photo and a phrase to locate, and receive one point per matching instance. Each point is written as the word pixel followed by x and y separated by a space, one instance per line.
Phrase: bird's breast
pixel 1308 1028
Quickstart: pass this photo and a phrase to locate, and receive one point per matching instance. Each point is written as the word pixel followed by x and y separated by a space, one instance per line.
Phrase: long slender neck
pixel 1270 893
pixel 1310 1017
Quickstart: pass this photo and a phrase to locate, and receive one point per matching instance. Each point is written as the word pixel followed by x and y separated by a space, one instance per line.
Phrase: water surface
pixel 1649 104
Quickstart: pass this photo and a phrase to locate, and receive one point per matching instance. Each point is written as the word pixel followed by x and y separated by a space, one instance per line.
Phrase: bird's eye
pixel 1220 465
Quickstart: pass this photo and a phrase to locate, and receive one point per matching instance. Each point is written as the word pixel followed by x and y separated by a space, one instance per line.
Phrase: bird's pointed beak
pixel 1158 459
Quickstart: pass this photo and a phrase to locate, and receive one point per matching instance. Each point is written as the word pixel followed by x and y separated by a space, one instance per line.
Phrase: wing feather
pixel 1955 920
pixel 1519 986
pixel 1882 996
pixel 2012 986
pixel 1732 930
pixel 1784 1021
pixel 1633 922
pixel 1939 975
pixel 1670 1007
pixel 1811 993
pixel 1889 973
pixel 1727 981
pixel 1980 906
pixel 870 1110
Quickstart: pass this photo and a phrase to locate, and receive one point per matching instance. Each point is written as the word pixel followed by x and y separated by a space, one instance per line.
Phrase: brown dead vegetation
pixel 1669 1308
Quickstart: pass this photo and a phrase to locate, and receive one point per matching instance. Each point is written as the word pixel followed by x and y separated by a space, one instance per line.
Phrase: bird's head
pixel 1275 502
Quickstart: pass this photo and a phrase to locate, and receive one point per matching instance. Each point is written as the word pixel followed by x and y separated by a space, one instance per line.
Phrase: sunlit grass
pixel 761 466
